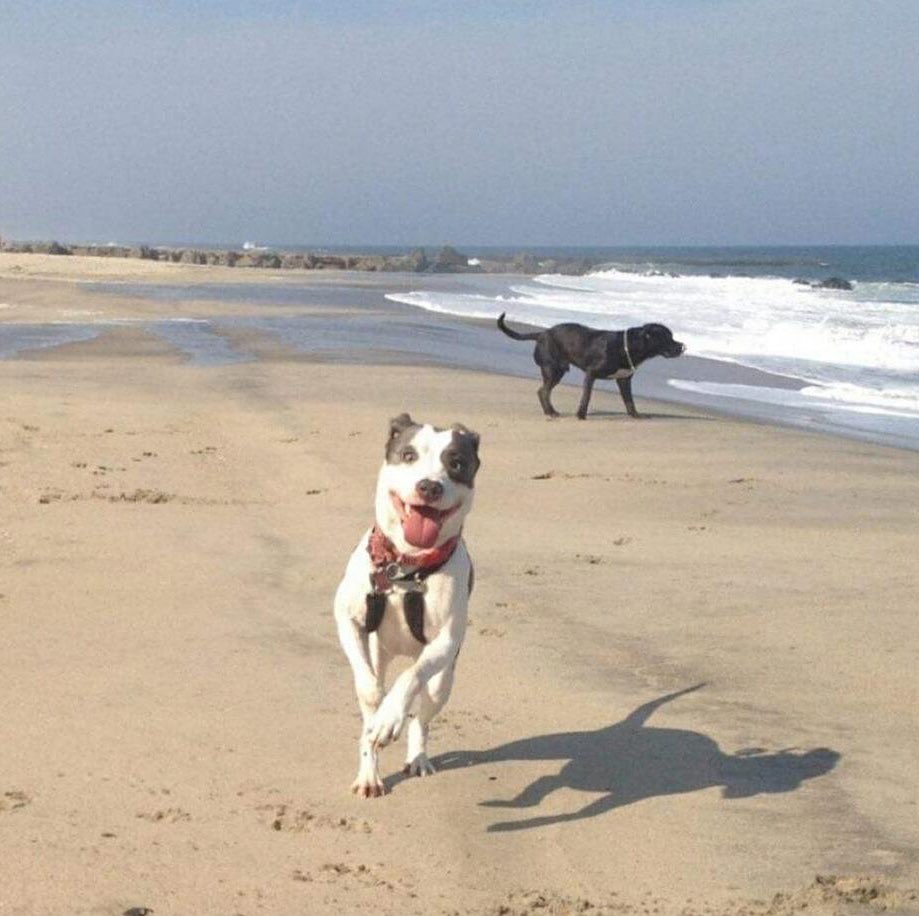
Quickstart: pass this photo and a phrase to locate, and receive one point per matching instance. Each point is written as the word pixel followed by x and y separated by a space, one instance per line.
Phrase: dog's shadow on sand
pixel 630 761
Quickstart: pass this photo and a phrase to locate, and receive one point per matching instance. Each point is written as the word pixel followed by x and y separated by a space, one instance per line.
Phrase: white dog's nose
pixel 429 490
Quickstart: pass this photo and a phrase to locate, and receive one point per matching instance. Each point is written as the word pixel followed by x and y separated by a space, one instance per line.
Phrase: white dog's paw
pixel 387 723
pixel 419 766
pixel 368 786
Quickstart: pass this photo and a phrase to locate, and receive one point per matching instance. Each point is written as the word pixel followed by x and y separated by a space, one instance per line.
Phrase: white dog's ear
pixel 400 424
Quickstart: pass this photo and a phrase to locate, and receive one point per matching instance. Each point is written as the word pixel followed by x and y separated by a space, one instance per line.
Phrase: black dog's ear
pixel 400 424
pixel 653 334
pixel 467 433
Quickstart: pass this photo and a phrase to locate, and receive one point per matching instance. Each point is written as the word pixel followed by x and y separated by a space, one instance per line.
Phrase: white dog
pixel 406 588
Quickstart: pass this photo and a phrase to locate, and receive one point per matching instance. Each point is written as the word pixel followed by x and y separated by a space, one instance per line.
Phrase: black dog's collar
pixel 625 347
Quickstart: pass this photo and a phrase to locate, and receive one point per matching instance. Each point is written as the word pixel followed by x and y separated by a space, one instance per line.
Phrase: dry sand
pixel 689 684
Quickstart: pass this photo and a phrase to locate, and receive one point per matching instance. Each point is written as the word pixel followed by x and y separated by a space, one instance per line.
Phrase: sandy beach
pixel 689 685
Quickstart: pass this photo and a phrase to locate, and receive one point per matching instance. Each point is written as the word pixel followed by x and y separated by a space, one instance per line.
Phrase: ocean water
pixel 17 338
pixel 854 354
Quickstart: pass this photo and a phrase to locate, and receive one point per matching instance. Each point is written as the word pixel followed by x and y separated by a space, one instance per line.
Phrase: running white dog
pixel 406 589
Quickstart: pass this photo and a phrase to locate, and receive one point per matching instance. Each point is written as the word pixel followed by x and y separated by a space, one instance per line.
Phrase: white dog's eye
pixel 409 455
pixel 457 465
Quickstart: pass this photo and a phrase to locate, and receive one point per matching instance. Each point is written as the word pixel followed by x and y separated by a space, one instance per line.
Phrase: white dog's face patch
pixel 425 486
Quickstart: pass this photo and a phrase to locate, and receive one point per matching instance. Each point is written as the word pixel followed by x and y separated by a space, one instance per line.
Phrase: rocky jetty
pixel 833 283
pixel 447 260
pixel 829 283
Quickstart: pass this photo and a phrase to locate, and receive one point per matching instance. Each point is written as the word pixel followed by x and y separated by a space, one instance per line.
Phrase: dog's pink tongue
pixel 421 526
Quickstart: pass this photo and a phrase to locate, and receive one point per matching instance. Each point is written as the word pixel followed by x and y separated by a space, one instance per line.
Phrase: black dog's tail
pixel 515 334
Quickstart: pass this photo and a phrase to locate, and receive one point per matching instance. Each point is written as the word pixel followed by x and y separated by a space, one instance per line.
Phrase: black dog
pixel 599 354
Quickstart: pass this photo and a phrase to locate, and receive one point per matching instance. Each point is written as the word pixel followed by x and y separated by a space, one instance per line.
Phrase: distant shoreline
pixel 416 260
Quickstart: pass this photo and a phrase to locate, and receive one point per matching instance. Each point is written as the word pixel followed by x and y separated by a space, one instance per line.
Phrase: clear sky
pixel 623 122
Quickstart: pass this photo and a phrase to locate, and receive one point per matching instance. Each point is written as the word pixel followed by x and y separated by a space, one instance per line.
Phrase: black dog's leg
pixel 551 376
pixel 585 395
pixel 625 389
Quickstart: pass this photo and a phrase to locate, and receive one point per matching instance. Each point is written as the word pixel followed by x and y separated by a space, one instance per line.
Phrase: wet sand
pixel 689 684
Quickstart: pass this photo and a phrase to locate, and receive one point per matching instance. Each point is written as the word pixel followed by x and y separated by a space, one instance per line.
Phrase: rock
pixel 329 262
pixel 40 248
pixel 258 259
pixel 524 263
pixel 193 256
pixel 418 260
pixel 370 262
pixel 223 258
pixel 449 260
pixel 576 267
pixel 269 259
pixel 144 252
pixel 833 283
pixel 292 261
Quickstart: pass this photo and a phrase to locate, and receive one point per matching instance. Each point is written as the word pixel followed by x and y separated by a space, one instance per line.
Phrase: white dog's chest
pixel 394 633
pixel 441 590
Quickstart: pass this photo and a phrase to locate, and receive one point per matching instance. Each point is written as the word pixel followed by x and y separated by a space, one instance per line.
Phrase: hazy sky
pixel 518 123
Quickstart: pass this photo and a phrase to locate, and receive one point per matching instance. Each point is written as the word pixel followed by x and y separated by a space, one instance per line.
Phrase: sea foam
pixel 858 347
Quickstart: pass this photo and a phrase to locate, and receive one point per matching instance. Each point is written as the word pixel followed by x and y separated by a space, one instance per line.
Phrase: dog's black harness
pixel 392 571
pixel 413 587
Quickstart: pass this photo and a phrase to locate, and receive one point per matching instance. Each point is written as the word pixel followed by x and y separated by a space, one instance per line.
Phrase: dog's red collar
pixel 388 564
